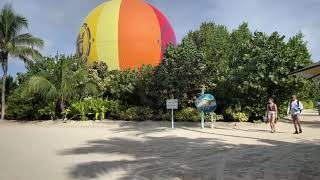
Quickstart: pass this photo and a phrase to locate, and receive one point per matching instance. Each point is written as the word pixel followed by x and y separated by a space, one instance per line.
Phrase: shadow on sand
pixel 201 158
pixel 314 123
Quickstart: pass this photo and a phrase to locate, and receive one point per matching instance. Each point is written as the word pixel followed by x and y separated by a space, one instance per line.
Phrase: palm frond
pixel 25 53
pixel 28 40
pixel 42 86
pixel 10 23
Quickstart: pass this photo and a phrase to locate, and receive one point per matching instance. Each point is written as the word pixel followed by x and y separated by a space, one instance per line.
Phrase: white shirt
pixel 295 107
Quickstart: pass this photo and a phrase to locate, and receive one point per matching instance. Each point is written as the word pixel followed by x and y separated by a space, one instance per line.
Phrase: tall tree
pixel 14 43
pixel 244 68
pixel 264 69
pixel 215 42
pixel 181 74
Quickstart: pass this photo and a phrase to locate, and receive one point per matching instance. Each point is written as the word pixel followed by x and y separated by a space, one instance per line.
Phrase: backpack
pixel 298 105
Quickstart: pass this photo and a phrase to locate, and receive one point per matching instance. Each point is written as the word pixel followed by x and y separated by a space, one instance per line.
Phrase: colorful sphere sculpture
pixel 125 34
pixel 206 103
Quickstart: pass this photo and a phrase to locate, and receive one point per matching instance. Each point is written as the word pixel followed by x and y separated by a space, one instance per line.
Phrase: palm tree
pixel 14 43
pixel 59 79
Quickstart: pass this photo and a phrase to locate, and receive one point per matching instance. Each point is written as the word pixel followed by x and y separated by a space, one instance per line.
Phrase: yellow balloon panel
pixel 86 45
pixel 107 34
pixel 98 37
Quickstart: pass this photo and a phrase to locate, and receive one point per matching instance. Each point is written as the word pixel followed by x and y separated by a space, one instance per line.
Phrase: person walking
pixel 272 114
pixel 294 109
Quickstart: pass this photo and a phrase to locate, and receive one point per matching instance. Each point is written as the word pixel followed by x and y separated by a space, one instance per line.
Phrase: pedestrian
pixel 294 109
pixel 272 114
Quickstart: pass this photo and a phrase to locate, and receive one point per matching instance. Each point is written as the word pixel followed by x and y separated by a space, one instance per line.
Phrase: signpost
pixel 206 103
pixel 203 89
pixel 213 118
pixel 172 104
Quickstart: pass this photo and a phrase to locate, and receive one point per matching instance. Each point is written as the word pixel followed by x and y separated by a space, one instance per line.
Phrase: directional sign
pixel 172 103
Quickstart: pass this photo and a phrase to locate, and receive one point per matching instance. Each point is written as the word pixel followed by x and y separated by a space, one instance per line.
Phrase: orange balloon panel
pixel 125 34
pixel 139 35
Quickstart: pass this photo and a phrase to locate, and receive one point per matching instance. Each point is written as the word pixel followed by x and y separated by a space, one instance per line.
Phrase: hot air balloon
pixel 125 34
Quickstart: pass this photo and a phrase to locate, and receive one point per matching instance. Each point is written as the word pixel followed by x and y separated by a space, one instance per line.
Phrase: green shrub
pixel 100 108
pixel 239 116
pixel 137 113
pixel 79 110
pixel 95 108
pixel 129 114
pixel 308 104
pixel 146 113
pixel 113 109
pixel 21 108
pixel 188 114
pixel 166 116
pixel 49 110
pixel 162 115
pixel 219 117
pixel 236 116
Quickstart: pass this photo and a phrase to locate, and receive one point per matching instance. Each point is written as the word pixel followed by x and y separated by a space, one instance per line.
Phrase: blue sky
pixel 58 21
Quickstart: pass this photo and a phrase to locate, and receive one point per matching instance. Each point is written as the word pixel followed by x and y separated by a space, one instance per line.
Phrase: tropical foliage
pixel 247 67
pixel 58 80
pixel 14 43
pixel 240 67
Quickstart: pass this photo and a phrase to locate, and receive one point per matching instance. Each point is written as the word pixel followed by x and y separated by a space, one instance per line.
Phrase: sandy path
pixel 151 150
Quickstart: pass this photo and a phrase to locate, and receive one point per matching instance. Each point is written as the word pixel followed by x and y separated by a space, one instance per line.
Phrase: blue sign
pixel 206 103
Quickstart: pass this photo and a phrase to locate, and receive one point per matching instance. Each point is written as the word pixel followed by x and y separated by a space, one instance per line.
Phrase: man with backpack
pixel 295 108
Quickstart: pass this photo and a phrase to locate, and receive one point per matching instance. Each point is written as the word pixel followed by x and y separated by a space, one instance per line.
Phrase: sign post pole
pixel 202 120
pixel 202 113
pixel 172 120
pixel 212 120
pixel 172 104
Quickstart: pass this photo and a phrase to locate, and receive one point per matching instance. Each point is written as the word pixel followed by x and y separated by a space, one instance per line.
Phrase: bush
pixel 96 108
pixel 241 117
pixel 113 109
pixel 78 109
pixel 130 114
pixel 147 113
pixel 137 114
pixel 308 104
pixel 49 110
pixel 236 116
pixel 219 117
pixel 162 115
pixel 188 114
pixel 21 108
pixel 166 116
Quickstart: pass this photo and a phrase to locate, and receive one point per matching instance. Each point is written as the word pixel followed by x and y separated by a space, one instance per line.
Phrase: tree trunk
pixel 4 78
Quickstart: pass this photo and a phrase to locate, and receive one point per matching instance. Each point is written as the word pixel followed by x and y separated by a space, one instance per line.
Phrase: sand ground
pixel 151 150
